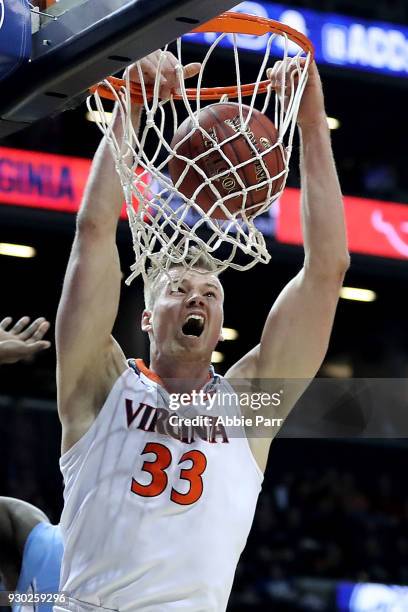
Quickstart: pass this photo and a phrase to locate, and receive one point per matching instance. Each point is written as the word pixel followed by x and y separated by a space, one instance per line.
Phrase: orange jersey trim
pixel 152 375
pixel 148 373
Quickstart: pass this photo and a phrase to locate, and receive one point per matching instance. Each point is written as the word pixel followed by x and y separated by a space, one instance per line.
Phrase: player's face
pixel 187 314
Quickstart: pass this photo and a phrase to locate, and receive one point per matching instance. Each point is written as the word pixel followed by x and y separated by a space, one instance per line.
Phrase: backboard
pixel 83 41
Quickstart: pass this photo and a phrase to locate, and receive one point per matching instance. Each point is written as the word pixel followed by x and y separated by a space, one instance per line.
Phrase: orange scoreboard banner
pixel 57 182
pixel 374 227
pixel 43 180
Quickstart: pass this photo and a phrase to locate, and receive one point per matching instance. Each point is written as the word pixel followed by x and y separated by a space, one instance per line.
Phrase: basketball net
pixel 165 225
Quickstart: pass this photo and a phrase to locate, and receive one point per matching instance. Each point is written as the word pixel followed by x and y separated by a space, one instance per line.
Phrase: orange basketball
pixel 222 121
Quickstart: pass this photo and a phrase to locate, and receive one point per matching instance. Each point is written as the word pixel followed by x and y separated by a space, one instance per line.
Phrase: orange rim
pixel 230 23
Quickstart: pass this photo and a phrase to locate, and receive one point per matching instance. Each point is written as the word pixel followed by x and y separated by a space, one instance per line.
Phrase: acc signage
pixel 338 40
pixel 373 227
pixel 42 180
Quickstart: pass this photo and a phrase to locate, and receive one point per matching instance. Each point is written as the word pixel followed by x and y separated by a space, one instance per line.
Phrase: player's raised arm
pixel 89 360
pixel 90 294
pixel 297 331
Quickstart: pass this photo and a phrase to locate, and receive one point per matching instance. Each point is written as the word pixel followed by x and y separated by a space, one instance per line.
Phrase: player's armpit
pixel 87 313
pixel 80 400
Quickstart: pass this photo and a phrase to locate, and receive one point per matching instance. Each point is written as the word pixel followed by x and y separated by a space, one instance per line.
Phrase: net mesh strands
pixel 165 224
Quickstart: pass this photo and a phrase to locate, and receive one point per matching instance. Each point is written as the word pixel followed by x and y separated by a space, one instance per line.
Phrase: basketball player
pixel 30 551
pixel 155 521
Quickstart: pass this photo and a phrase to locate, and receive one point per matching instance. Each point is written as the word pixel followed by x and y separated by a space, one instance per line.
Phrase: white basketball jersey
pixel 153 522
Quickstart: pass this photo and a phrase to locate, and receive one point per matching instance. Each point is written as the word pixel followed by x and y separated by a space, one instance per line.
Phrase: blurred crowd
pixel 29 454
pixel 329 521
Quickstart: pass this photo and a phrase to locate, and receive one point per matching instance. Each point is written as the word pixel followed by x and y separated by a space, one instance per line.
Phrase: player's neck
pixel 180 376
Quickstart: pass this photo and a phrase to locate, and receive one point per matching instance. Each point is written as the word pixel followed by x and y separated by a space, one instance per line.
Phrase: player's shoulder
pixel 19 518
pixel 6 524
pixel 96 380
pixel 22 510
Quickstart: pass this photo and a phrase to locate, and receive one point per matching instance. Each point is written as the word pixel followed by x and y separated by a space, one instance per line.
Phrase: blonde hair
pixel 196 260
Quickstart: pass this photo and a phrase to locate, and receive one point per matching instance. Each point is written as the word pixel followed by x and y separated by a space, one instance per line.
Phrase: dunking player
pixel 30 547
pixel 152 522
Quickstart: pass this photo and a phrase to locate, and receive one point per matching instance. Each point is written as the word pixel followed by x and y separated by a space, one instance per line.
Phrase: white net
pixel 165 222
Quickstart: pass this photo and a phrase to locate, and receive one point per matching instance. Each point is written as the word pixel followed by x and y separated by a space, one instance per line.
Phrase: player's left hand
pixel 311 111
pixel 169 79
pixel 22 341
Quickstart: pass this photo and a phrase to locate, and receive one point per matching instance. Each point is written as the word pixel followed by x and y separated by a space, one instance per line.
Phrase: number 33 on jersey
pixel 159 480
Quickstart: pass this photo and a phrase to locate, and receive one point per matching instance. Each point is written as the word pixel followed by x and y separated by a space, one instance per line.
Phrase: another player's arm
pixel 22 342
pixel 297 331
pixel 17 519
pixel 8 556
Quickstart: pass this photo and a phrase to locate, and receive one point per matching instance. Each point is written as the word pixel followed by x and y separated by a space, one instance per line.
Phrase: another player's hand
pixel 311 111
pixel 169 79
pixel 22 341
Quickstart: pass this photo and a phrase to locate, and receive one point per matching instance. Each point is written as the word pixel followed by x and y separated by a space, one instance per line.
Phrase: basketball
pixel 222 122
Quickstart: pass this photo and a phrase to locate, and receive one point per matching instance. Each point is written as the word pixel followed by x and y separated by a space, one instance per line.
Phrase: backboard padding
pixel 90 40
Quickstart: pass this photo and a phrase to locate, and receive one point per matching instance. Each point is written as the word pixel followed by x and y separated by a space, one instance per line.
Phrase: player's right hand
pixel 170 71
pixel 311 110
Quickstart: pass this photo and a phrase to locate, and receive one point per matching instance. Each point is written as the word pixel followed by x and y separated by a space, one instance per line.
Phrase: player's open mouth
pixel 193 326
